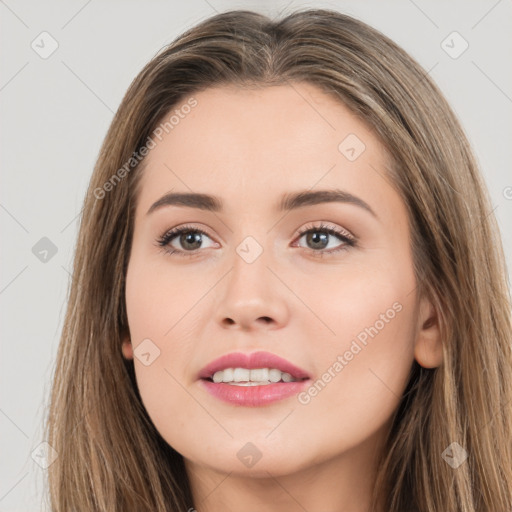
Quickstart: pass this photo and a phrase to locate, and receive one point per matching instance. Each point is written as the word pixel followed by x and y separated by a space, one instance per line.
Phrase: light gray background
pixel 55 113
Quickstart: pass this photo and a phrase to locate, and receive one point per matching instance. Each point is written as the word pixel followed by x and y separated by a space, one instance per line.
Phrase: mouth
pixel 253 379
pixel 257 367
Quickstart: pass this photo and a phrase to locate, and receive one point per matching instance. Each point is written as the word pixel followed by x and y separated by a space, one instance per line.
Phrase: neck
pixel 343 483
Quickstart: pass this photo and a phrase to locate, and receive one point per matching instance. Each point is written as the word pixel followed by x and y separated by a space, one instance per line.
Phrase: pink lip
pixel 251 361
pixel 253 396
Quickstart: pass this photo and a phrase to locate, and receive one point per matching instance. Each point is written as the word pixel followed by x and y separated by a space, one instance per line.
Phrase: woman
pixel 336 337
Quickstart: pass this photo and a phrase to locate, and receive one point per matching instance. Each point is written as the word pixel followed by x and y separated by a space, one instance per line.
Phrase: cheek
pixel 159 298
pixel 363 369
pixel 158 307
pixel 359 301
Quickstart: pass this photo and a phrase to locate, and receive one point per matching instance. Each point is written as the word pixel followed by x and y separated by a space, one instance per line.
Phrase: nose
pixel 253 297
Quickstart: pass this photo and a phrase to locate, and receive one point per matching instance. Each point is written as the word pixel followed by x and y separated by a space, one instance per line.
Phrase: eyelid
pixel 327 227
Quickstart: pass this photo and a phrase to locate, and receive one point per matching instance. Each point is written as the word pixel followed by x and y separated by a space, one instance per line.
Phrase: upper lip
pixel 253 360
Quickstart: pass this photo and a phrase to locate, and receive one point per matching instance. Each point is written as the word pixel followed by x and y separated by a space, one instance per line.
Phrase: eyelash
pixel 349 241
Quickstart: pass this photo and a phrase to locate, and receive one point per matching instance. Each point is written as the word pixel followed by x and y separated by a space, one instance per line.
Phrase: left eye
pixel 319 238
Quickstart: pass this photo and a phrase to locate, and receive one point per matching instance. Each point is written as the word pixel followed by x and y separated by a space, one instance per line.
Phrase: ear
pixel 428 348
pixel 126 347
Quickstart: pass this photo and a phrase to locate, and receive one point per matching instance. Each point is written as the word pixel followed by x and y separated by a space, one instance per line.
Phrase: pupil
pixel 191 238
pixel 316 238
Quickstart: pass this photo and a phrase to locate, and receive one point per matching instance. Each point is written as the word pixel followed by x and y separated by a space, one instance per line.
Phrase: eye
pixel 318 239
pixel 189 237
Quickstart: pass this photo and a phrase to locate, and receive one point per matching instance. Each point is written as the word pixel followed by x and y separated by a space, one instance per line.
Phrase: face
pixel 324 287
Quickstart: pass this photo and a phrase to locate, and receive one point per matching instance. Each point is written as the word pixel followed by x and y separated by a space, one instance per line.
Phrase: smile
pixel 252 380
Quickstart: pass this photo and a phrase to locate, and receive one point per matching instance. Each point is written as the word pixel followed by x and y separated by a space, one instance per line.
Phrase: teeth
pixel 274 375
pixel 254 377
pixel 287 377
pixel 241 375
pixel 226 374
pixel 259 374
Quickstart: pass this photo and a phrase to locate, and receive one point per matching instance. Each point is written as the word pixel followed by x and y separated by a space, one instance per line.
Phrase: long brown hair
pixel 110 456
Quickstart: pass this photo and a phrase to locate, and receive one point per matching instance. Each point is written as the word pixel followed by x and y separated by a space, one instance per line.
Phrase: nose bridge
pixel 252 292
pixel 249 275
pixel 254 251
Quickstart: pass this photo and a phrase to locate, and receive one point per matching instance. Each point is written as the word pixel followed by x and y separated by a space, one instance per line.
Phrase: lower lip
pixel 254 396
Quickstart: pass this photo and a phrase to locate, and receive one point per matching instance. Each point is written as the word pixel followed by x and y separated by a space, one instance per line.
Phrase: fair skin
pixel 249 147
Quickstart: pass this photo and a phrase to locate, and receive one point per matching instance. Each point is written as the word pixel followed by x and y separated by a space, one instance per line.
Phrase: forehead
pixel 250 144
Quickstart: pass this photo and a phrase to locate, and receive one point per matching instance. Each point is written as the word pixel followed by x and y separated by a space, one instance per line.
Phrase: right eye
pixel 189 237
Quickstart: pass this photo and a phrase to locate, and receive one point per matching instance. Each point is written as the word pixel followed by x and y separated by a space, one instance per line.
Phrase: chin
pixel 254 459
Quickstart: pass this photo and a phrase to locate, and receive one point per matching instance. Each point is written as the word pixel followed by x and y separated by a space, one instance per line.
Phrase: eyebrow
pixel 290 201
